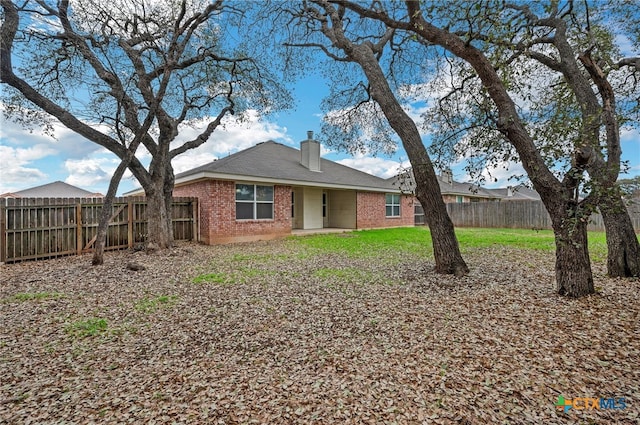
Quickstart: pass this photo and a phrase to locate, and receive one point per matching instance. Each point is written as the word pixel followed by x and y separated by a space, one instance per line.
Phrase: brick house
pixel 270 189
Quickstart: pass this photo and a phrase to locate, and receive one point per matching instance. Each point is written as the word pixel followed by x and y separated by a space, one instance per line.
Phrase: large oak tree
pixel 574 90
pixel 125 74
pixel 320 26
pixel 455 30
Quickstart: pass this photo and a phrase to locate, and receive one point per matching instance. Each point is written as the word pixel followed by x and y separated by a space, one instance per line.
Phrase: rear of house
pixel 270 189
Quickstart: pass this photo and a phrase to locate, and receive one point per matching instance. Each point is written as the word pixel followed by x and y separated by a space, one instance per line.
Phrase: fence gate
pixel 36 228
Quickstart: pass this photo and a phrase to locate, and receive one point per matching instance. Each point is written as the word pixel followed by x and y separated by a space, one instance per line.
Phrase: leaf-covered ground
pixel 277 333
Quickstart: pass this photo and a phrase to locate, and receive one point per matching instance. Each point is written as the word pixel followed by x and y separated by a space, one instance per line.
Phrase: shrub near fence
pixel 513 214
pixel 35 228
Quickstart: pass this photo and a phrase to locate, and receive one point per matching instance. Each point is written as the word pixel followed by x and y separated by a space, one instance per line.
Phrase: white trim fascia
pixel 244 178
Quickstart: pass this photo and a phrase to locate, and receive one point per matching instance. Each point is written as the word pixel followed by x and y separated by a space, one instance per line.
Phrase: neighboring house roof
pixel 517 193
pixel 448 186
pixel 272 162
pixel 56 189
pixel 464 189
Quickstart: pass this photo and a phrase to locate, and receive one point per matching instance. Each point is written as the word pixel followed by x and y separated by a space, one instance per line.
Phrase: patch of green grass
pixel 257 257
pixel 87 328
pixel 238 276
pixel 37 296
pixel 246 274
pixel 598 246
pixel 470 238
pixel 372 243
pixel 541 240
pixel 149 305
pixel 211 278
pixel 417 241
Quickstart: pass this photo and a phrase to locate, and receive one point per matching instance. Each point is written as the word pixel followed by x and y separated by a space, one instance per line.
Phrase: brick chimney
pixel 310 153
pixel 447 176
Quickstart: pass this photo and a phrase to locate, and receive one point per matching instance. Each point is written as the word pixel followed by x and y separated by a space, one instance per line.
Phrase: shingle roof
pixel 465 189
pixel 274 161
pixel 446 187
pixel 55 189
pixel 518 193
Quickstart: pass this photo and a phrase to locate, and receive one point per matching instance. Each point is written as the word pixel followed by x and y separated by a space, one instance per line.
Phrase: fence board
pixel 35 228
pixel 513 214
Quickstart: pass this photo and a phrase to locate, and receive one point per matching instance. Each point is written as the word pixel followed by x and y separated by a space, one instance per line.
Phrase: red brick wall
pixel 218 222
pixel 372 211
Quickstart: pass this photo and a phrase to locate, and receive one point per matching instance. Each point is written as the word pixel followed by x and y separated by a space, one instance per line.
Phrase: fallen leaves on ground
pixel 277 335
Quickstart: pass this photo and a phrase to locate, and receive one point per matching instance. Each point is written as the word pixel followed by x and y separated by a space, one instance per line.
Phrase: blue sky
pixel 31 159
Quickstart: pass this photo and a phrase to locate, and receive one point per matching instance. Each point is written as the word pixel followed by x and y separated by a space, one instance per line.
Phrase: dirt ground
pixel 269 334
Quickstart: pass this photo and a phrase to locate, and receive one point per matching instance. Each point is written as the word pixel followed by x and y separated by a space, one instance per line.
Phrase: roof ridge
pixel 237 153
pixel 275 160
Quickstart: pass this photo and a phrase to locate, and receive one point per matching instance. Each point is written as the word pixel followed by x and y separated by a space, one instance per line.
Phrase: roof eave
pixel 204 175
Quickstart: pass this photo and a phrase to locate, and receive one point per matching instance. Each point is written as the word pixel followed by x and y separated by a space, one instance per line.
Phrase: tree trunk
pixel 445 246
pixel 573 266
pixel 446 250
pixel 105 214
pixel 159 227
pixel 623 249
pixel 101 234
pixel 158 190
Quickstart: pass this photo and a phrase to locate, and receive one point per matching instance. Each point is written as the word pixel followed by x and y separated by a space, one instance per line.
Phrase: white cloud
pixel 630 135
pixel 501 175
pixel 72 145
pixel 625 45
pixel 90 166
pixel 15 172
pixel 89 173
pixel 236 133
pixel 32 158
pixel 324 150
pixel 65 142
pixel 21 148
pixel 380 167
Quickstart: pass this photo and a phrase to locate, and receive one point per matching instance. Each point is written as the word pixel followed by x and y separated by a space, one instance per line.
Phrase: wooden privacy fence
pixel 512 214
pixel 35 228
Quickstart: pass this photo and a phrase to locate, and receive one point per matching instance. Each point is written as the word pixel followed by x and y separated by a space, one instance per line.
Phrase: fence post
pixel 79 227
pixel 195 214
pixel 129 224
pixel 3 234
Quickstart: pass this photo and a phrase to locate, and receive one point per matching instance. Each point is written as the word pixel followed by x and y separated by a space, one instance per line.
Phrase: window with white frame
pixel 254 202
pixel 392 205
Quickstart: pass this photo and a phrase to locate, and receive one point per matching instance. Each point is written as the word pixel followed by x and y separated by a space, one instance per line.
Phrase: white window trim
pixel 255 202
pixel 399 205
